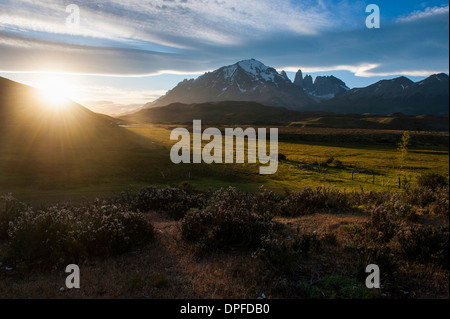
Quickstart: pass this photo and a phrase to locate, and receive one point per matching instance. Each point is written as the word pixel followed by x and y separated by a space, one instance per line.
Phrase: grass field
pixel 364 165
pixel 363 159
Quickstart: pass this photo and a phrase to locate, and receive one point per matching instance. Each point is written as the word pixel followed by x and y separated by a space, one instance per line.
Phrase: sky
pixel 123 54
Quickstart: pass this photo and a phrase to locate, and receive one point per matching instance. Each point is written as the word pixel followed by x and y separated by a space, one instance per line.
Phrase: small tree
pixel 403 147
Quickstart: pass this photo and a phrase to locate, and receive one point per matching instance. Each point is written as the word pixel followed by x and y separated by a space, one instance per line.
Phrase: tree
pixel 403 147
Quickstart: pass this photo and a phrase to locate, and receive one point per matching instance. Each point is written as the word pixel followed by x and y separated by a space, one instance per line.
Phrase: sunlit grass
pixel 358 160
pixel 80 171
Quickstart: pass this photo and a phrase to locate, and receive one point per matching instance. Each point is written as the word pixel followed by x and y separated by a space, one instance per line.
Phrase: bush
pixel 10 208
pixel 328 161
pixel 338 163
pixel 285 255
pixel 399 209
pixel 309 201
pixel 174 202
pixel 381 228
pixel 64 234
pixel 281 157
pixel 421 197
pixel 425 244
pixel 435 200
pixel 432 180
pixel 440 206
pixel 277 255
pixel 231 219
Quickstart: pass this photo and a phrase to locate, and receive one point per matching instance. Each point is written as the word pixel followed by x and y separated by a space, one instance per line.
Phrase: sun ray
pixel 55 93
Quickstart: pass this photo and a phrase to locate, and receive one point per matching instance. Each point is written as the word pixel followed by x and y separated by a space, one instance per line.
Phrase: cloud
pixel 135 38
pixel 362 70
pixel 428 12
pixel 169 23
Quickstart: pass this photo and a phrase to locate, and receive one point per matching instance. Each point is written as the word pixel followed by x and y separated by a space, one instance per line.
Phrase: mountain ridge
pixel 429 96
pixel 252 81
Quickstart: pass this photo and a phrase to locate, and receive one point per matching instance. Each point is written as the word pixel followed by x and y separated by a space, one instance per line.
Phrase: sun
pixel 55 92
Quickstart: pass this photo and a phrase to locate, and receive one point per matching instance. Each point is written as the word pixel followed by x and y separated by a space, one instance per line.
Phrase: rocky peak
pixel 328 87
pixel 299 78
pixel 284 74
pixel 308 85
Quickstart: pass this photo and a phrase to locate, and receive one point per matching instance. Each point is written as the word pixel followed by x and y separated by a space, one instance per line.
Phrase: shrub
pixel 381 227
pixel 309 201
pixel 64 234
pixel 379 254
pixel 263 202
pixel 304 243
pixel 231 219
pixel 440 206
pixel 432 180
pixel 421 197
pixel 398 209
pixel 435 200
pixel 277 255
pixel 328 161
pixel 281 157
pixel 174 202
pixel 285 255
pixel 425 244
pixel 338 163
pixel 10 208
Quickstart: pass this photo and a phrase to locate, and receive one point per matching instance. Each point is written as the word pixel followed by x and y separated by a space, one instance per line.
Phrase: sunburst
pixel 55 93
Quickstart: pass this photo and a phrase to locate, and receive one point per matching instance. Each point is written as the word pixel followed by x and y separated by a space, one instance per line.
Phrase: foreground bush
pixel 309 201
pixel 432 180
pixel 9 210
pixel 284 256
pixel 174 202
pixel 231 219
pixel 425 244
pixel 435 201
pixel 65 234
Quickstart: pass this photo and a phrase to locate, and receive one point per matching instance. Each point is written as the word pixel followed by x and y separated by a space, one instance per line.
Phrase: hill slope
pixel 44 145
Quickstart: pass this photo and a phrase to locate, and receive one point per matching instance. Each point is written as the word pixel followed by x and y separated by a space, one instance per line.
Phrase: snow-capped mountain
pixel 252 81
pixel 248 80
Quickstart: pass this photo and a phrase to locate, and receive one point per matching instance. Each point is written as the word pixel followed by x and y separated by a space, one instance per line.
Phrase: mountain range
pixel 251 80
pixel 430 96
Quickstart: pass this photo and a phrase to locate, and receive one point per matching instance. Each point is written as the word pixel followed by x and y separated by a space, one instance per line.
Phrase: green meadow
pixel 347 159
pixel 352 166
